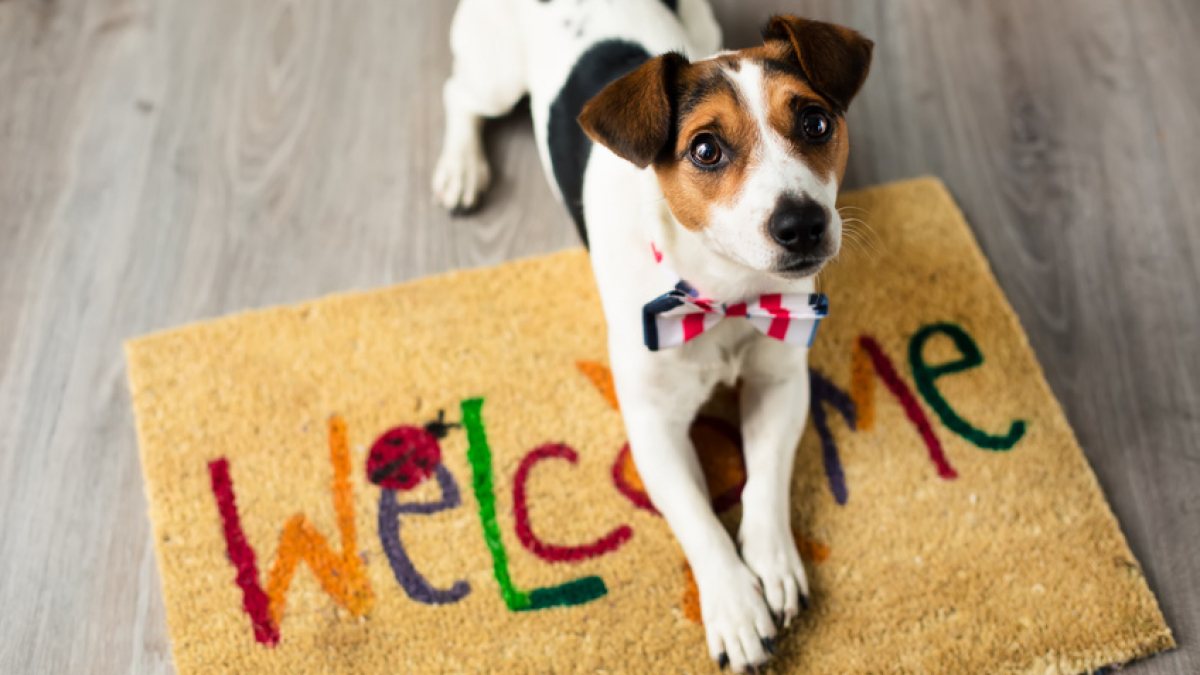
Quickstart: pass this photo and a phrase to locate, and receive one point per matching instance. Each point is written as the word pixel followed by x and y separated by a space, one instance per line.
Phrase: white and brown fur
pixel 645 80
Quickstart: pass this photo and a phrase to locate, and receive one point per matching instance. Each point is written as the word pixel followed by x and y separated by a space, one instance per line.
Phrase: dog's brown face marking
pixel 710 115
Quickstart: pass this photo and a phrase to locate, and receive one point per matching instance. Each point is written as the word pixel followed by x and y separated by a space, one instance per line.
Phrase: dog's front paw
pixel 461 176
pixel 737 621
pixel 771 554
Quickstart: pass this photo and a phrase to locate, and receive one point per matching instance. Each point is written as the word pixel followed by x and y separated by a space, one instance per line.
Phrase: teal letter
pixel 925 375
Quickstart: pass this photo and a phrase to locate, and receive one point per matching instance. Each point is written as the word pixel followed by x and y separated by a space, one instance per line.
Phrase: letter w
pixel 342 575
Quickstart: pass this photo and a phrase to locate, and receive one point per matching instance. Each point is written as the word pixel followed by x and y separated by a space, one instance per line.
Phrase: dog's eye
pixel 705 150
pixel 816 125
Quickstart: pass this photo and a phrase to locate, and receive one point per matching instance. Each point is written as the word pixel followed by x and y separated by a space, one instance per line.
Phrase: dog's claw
pixel 804 602
pixel 769 645
pixel 723 661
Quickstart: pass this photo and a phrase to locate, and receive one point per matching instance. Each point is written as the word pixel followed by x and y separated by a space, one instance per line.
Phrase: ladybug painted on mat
pixel 403 457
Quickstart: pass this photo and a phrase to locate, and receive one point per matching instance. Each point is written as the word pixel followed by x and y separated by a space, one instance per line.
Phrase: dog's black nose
pixel 797 224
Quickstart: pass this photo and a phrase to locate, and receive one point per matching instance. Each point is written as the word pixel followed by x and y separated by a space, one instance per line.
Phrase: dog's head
pixel 749 147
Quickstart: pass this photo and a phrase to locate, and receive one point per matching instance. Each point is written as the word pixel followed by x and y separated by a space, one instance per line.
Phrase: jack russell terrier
pixel 705 184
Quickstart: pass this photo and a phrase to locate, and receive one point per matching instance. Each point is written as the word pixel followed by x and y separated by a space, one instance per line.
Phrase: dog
pixel 711 176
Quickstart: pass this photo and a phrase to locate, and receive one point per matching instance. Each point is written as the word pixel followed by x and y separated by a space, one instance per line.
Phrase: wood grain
pixel 167 161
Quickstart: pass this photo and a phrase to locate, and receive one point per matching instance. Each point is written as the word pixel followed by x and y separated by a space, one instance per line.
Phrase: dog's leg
pixel 488 79
pixel 774 409
pixel 659 404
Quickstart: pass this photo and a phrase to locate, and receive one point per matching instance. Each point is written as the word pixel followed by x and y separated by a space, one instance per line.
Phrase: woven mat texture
pixel 311 514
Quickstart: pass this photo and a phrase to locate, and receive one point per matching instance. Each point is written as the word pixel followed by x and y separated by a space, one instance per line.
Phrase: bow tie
pixel 681 315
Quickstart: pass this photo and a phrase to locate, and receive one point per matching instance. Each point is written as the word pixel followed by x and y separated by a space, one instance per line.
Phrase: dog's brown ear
pixel 633 115
pixel 835 59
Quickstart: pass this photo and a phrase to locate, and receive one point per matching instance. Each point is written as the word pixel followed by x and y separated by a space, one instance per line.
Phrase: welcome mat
pixel 433 478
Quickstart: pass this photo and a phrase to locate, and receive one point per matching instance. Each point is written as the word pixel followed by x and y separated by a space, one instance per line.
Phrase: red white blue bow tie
pixel 681 315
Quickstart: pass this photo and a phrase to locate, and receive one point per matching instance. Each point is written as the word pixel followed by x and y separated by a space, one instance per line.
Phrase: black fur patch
pixel 705 89
pixel 570 148
pixel 784 67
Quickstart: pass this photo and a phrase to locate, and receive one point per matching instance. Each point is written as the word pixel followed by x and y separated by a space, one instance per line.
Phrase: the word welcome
pixel 404 457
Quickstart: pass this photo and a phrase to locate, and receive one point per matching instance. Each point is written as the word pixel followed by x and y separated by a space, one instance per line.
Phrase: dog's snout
pixel 798 224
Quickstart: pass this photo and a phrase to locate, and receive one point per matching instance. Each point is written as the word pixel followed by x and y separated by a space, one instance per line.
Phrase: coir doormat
pixel 432 478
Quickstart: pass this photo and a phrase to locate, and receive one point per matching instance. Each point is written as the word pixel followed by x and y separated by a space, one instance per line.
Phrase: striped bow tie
pixel 680 315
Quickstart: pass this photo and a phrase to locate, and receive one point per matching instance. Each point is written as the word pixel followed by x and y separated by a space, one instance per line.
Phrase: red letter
pixel 550 552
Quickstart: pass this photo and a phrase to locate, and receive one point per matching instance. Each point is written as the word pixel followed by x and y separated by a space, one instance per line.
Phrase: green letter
pixel 576 592
pixel 925 376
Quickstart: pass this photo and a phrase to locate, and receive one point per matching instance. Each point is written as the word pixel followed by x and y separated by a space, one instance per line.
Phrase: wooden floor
pixel 168 161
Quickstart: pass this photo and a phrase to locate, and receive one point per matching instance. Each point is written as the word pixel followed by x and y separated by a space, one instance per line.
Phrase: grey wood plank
pixel 164 161
pixel 68 127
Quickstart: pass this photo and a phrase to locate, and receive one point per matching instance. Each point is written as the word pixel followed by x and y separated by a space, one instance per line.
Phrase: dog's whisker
pixel 859 241
pixel 862 230
pixel 866 225
pixel 871 239
pixel 868 243
pixel 851 244
pixel 858 247
pixel 870 228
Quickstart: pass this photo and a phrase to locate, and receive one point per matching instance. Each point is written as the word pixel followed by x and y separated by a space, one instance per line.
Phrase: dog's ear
pixel 833 58
pixel 633 115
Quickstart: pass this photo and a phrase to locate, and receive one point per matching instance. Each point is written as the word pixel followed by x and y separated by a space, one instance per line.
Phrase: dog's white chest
pixel 733 350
